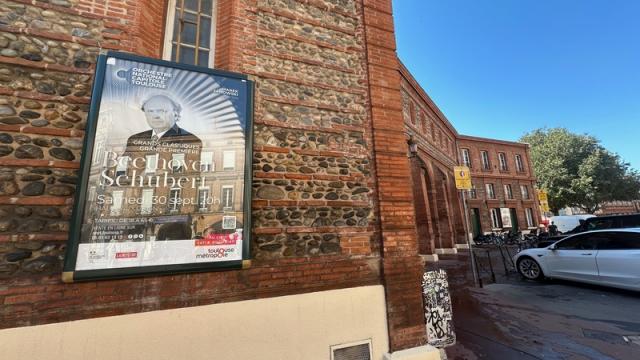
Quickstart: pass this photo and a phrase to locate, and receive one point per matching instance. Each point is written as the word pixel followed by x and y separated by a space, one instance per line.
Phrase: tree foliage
pixel 577 171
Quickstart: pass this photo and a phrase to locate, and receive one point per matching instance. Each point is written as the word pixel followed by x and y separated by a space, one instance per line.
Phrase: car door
pixel 618 259
pixel 574 258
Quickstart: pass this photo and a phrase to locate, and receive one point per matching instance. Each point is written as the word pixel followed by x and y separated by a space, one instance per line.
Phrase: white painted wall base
pixel 430 258
pixel 426 352
pixel 446 251
pixel 462 246
pixel 287 327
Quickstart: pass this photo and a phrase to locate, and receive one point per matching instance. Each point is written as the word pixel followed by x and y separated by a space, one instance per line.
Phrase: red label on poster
pixel 218 239
pixel 127 255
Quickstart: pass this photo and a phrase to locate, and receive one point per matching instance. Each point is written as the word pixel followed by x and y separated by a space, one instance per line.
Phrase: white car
pixel 604 257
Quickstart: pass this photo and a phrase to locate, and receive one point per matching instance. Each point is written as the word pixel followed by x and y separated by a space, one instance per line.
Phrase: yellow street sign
pixel 542 195
pixel 463 177
pixel 543 198
pixel 544 205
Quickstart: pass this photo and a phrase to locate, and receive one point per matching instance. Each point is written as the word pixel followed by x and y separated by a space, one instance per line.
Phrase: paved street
pixel 517 319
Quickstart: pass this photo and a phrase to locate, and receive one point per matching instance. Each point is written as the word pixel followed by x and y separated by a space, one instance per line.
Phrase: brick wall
pixel 440 222
pixel 402 267
pixel 334 192
pixel 619 208
pixel 315 211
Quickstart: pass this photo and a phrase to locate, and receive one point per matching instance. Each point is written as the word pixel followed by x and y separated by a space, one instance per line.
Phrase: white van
pixel 568 222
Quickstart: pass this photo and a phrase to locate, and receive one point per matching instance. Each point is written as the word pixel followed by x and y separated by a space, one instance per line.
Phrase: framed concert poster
pixel 165 177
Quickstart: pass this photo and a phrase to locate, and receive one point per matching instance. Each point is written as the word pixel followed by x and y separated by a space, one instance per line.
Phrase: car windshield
pixel 600 224
pixel 576 229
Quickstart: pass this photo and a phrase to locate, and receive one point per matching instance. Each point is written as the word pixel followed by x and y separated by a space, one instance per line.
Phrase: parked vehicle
pixel 601 223
pixel 612 222
pixel 568 222
pixel 602 257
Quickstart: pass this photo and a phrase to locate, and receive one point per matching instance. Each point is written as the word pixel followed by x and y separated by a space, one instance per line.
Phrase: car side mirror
pixel 552 247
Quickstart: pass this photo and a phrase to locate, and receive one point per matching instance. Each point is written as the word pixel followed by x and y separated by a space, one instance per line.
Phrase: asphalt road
pixel 518 319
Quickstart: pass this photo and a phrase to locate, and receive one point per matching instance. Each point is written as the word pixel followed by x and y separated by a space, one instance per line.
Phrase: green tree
pixel 577 171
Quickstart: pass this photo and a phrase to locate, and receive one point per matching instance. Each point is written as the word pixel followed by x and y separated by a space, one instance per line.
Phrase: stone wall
pixel 312 161
pixel 47 55
pixel 315 207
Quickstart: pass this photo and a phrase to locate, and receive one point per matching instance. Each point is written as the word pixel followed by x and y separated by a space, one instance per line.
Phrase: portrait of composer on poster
pixel 162 114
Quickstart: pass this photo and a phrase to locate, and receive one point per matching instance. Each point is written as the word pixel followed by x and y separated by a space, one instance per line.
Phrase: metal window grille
pixel 354 351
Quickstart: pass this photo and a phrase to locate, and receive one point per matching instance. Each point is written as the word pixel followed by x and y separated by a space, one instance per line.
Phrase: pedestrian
pixel 553 229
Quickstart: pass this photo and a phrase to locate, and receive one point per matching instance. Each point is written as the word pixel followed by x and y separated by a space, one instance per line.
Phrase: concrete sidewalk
pixel 517 319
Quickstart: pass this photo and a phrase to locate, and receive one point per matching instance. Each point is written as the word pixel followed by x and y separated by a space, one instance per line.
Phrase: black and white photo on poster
pixel 166 179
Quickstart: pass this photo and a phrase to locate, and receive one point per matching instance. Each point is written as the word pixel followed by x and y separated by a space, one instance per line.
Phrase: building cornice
pixel 492 141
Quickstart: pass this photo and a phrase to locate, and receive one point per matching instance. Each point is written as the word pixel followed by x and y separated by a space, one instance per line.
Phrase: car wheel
pixel 530 269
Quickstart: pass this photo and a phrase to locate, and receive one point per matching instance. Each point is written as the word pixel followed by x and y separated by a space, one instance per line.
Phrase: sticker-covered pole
pixel 474 269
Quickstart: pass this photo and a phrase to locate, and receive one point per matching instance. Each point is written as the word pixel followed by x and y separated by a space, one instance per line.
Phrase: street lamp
pixel 413 146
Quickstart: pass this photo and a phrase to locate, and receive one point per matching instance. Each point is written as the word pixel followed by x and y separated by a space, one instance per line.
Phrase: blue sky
pixel 500 68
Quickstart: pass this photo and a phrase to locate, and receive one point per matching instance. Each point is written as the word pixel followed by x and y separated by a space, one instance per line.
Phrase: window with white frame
pixel 206 161
pixel 484 155
pixel 174 199
pixel 151 164
pixel 473 193
pixel 491 192
pixel 177 163
pixel 123 163
pixel 116 202
pixel 519 163
pixel 524 189
pixel 496 218
pixel 227 197
pixel 502 157
pixel 190 32
pixel 147 202
pixel 228 160
pixel 203 196
pixel 529 215
pixel 466 159
pixel 508 191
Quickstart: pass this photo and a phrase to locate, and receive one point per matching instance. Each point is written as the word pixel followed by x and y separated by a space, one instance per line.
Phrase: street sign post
pixel 543 198
pixel 463 183
pixel 463 177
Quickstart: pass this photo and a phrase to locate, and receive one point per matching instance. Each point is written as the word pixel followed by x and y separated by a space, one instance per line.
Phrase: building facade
pixel 438 206
pixel 332 209
pixel 503 195
pixel 341 213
